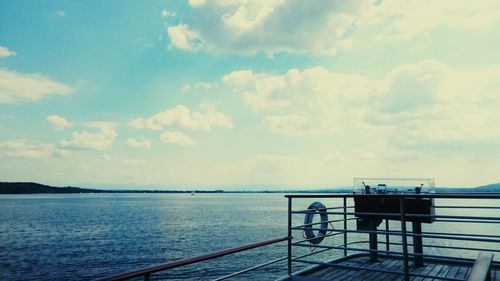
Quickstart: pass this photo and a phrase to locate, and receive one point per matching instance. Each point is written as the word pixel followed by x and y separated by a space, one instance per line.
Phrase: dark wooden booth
pixel 388 207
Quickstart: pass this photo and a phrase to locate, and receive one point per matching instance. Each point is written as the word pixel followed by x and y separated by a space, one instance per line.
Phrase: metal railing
pixel 395 232
pixel 147 272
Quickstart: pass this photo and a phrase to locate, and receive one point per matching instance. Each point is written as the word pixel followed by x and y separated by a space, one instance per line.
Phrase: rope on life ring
pixel 315 208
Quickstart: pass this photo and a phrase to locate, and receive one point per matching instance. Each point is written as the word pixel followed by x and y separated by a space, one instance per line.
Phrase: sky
pixel 249 94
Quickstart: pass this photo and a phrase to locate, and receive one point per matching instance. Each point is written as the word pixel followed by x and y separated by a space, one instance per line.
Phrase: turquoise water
pixel 85 236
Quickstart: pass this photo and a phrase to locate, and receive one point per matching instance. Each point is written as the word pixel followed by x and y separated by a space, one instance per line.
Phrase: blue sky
pixel 248 94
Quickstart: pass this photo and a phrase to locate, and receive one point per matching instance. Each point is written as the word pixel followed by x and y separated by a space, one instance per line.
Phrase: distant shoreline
pixel 37 188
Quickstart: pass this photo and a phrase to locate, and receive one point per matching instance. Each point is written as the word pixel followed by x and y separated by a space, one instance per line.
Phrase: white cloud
pixel 413 106
pixel 312 88
pixel 183 38
pixel 403 20
pixel 248 27
pixel 166 13
pixel 60 13
pixel 312 101
pixel 197 3
pixel 59 122
pixel 408 87
pixel 203 85
pixel 141 142
pixel 431 106
pixel 199 85
pixel 5 52
pixel 23 149
pixel 183 117
pixel 291 124
pixel 177 138
pixel 319 27
pixel 17 87
pixel 100 140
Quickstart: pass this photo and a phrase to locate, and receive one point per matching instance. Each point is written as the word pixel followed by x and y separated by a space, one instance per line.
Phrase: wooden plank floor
pixel 455 271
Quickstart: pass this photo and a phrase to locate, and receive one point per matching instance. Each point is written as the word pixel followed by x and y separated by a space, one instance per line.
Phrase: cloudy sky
pixel 237 93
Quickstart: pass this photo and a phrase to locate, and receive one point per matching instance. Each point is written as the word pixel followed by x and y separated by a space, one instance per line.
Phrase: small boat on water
pixel 391 232
pixel 193 193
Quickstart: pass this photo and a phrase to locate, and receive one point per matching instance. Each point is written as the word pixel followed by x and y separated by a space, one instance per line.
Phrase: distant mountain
pixel 494 187
pixel 32 187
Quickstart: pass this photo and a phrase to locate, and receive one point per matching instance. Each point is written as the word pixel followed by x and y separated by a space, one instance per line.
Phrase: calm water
pixel 84 236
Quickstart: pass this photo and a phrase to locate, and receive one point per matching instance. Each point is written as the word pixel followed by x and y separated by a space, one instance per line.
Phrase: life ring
pixel 314 208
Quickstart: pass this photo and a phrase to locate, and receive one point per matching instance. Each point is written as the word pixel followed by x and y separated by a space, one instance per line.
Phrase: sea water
pixel 84 236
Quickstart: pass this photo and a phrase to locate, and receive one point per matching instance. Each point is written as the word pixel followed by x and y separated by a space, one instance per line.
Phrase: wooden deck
pixel 448 270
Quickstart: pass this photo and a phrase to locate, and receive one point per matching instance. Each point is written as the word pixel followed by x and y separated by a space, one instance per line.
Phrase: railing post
pixel 289 236
pixel 147 276
pixel 345 227
pixel 417 243
pixel 403 238
pixel 387 248
pixel 372 226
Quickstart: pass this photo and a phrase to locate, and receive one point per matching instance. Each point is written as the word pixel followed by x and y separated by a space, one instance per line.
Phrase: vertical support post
pixel 403 238
pixel 372 225
pixel 345 227
pixel 387 248
pixel 289 235
pixel 417 243
pixel 147 276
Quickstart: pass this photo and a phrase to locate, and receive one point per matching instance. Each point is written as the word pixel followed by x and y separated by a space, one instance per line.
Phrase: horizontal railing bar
pixel 353 213
pixel 398 215
pixel 468 221
pixel 428 245
pixel 250 269
pixel 377 270
pixel 348 248
pixel 474 195
pixel 316 223
pixel 400 179
pixel 182 262
pixel 327 249
pixel 331 208
pixel 310 239
pixel 398 233
pixel 456 234
pixel 452 217
pixel 390 232
pixel 466 207
pixel 454 238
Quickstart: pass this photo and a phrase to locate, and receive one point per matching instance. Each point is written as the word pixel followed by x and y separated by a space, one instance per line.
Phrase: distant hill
pixel 32 187
pixel 480 189
pixel 494 187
